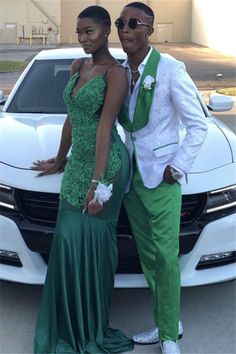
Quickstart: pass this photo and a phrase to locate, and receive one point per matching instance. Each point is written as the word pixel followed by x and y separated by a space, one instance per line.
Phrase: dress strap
pixel 105 73
pixel 81 64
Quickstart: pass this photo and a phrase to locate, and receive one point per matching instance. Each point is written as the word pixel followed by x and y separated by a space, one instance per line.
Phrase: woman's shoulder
pixel 117 77
pixel 76 64
pixel 115 70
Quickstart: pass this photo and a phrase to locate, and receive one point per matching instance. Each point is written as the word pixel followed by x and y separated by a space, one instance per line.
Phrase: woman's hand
pixel 48 167
pixel 91 208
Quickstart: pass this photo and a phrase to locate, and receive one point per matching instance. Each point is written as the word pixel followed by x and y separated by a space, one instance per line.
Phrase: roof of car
pixel 71 53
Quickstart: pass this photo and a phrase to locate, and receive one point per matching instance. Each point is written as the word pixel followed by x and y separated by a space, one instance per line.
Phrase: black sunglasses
pixel 132 23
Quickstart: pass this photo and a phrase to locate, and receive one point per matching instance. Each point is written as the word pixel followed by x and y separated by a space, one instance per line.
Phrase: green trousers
pixel 154 216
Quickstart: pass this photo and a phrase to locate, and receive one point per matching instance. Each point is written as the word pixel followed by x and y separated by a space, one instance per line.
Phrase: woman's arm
pixel 56 164
pixel 117 88
pixel 65 142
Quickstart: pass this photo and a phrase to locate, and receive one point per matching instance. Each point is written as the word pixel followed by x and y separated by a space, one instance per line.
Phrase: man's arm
pixel 184 96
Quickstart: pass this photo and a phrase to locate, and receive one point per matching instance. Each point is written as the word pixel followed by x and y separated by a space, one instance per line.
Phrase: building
pixel 206 22
pixel 54 21
pixel 213 24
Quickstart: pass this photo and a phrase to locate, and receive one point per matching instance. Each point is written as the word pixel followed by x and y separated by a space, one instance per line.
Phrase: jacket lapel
pixel 145 97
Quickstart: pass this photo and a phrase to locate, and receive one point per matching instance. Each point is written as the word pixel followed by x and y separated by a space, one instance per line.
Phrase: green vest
pixel 144 99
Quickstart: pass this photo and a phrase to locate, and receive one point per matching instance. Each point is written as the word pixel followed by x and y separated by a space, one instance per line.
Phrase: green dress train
pixel 73 314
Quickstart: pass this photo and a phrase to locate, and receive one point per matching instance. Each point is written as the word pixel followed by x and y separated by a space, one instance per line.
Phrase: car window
pixel 41 91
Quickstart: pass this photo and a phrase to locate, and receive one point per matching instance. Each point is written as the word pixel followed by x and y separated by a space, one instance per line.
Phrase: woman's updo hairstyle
pixel 96 13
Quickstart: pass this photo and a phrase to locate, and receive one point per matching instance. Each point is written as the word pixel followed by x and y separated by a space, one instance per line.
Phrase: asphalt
pixel 207 313
pixel 209 69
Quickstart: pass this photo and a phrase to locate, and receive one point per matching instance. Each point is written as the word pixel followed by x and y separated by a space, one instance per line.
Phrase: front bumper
pixel 33 269
pixel 217 236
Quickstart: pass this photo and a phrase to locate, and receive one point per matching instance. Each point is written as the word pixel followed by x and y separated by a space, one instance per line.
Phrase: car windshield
pixel 41 91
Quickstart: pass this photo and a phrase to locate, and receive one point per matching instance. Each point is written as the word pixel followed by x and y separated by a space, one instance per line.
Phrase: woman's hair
pixel 141 6
pixel 96 13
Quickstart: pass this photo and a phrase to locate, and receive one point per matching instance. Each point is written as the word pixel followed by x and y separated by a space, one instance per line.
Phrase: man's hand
pixel 167 177
pixel 48 167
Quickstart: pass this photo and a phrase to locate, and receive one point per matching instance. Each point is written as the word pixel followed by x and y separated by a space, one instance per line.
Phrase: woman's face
pixel 132 39
pixel 91 34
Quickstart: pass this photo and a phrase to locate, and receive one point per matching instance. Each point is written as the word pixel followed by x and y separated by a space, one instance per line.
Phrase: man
pixel 161 96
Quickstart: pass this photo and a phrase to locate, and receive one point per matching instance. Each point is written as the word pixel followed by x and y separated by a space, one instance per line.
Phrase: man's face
pixel 133 39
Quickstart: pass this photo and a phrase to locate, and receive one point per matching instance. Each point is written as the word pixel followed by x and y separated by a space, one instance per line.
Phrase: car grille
pixel 42 207
pixel 38 207
pixel 192 207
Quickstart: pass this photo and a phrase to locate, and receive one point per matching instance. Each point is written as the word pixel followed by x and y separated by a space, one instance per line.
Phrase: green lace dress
pixel 73 315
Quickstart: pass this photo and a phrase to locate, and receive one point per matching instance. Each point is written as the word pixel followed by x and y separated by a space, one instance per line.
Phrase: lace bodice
pixel 84 110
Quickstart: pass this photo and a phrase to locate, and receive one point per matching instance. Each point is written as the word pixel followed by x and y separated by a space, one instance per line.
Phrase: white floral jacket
pixel 158 143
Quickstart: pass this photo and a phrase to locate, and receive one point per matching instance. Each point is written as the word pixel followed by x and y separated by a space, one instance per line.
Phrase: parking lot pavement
pixel 208 68
pixel 21 52
pixel 208 316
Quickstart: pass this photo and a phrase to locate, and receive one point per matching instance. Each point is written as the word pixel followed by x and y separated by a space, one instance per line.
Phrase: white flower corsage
pixel 102 193
pixel 148 82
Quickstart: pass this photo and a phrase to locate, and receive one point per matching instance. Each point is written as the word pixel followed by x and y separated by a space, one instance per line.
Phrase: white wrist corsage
pixel 102 193
pixel 148 82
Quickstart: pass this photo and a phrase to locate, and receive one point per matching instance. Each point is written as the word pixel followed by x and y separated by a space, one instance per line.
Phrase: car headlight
pixel 7 198
pixel 221 199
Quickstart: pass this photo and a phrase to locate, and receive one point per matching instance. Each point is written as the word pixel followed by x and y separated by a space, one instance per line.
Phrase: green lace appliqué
pixel 84 110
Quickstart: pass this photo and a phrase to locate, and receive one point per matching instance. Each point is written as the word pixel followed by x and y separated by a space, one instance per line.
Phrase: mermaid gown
pixel 74 309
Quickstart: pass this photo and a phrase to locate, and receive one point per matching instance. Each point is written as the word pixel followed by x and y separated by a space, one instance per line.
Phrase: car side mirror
pixel 220 103
pixel 2 99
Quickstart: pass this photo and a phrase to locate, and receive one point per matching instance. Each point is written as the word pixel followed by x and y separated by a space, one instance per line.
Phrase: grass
pixel 230 91
pixel 8 66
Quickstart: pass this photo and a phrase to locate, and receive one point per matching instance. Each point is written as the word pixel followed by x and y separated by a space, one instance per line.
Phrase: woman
pixel 73 315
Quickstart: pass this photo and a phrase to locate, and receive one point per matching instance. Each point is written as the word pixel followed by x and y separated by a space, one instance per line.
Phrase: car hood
pixel 216 150
pixel 25 138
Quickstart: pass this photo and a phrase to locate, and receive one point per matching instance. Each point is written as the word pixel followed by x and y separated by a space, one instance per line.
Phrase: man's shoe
pixel 169 347
pixel 152 336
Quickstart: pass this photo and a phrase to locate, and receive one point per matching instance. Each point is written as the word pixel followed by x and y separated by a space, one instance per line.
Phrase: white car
pixel 30 127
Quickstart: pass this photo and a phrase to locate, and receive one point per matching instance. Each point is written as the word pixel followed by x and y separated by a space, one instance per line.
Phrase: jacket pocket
pixel 166 149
